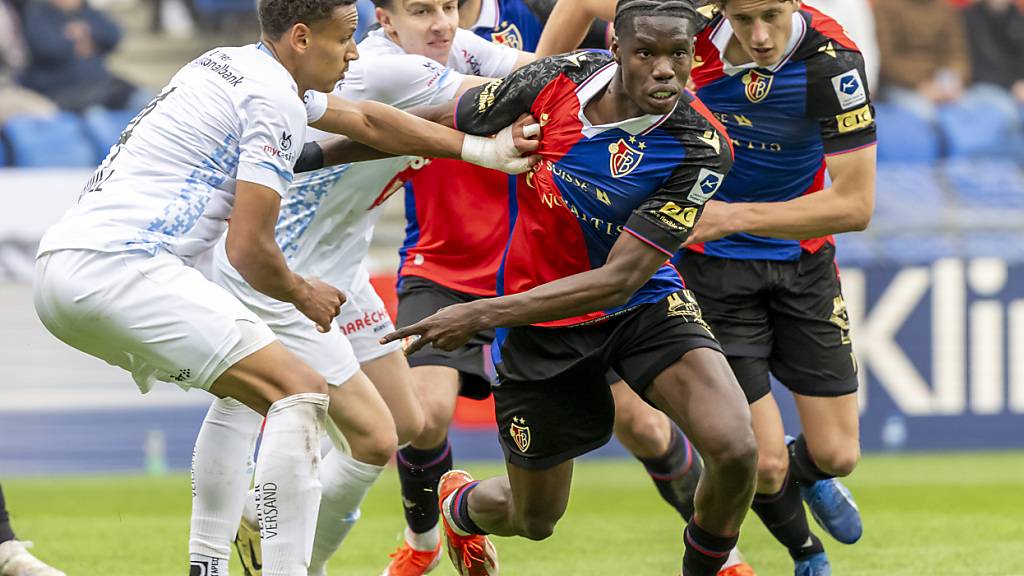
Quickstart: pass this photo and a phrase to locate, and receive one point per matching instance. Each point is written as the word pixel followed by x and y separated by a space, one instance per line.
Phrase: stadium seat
pixel 104 127
pixel 916 248
pixel 52 141
pixel 855 249
pixel 903 137
pixel 973 127
pixel 993 185
pixel 908 195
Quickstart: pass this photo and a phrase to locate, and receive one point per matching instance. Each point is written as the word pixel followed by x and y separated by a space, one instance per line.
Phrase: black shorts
pixel 552 398
pixel 787 318
pixel 418 298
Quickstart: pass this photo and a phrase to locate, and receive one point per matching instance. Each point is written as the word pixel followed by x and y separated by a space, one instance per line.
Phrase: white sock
pixel 425 542
pixel 208 565
pixel 288 482
pixel 345 483
pixel 221 472
pixel 734 558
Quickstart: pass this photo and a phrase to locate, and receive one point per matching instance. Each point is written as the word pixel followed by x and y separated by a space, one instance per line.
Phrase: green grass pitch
pixel 934 515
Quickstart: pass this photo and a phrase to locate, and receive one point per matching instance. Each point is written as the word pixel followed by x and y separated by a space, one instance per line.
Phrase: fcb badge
pixel 624 158
pixel 757 85
pixel 520 433
pixel 509 35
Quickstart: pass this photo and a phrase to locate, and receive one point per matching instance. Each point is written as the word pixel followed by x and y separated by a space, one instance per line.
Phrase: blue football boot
pixel 833 509
pixel 813 565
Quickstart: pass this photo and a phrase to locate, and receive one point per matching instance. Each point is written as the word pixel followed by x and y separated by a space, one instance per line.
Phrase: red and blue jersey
pixel 647 176
pixel 457 213
pixel 783 121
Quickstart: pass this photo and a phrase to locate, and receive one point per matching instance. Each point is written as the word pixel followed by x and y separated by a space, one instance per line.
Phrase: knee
pixel 376 448
pixel 771 472
pixel 411 426
pixel 435 422
pixel 307 381
pixel 838 462
pixel 736 456
pixel 646 433
pixel 538 526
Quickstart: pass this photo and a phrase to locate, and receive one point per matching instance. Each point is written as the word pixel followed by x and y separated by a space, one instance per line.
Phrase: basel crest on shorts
pixel 520 433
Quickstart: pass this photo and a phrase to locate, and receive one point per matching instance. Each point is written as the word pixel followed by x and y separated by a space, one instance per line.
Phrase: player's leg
pixel 660 446
pixel 813 357
pixel 15 560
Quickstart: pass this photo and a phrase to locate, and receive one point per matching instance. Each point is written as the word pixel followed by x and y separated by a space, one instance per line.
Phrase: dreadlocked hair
pixel 628 10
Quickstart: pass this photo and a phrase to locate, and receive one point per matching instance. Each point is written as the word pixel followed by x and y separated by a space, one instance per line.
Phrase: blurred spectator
pixel 924 60
pixel 995 33
pixel 15 99
pixel 858 19
pixel 68 43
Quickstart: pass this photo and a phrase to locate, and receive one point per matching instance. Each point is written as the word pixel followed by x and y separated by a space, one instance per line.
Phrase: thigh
pixel 151 315
pixel 420 298
pixel 540 493
pixel 363 418
pixel 393 380
pixel 733 298
pixel 831 425
pixel 812 355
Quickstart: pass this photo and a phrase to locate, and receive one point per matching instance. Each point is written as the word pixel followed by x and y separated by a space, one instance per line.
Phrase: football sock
pixel 419 472
pixel 221 473
pixel 801 467
pixel 345 482
pixel 202 565
pixel 783 514
pixel 425 541
pixel 456 510
pixel 676 472
pixel 6 533
pixel 705 553
pixel 288 482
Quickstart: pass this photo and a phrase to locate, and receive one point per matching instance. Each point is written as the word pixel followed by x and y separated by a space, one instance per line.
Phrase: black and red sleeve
pixel 838 98
pixel 486 109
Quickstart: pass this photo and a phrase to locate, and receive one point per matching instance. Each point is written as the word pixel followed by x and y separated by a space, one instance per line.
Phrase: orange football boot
pixel 472 555
pixel 407 561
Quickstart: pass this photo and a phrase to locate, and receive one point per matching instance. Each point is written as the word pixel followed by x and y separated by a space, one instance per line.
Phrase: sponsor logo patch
pixel 854 119
pixel 849 89
pixel 707 184
pixel 684 216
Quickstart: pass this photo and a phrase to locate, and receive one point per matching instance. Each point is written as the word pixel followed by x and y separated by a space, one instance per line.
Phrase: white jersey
pixel 169 183
pixel 327 220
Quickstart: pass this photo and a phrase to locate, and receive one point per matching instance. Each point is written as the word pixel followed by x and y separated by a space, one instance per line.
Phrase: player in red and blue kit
pixel 789 84
pixel 457 218
pixel 629 160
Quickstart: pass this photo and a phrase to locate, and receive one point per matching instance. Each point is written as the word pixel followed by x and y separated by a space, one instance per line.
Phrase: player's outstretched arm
pixel 846 206
pixel 630 264
pixel 253 251
pixel 391 130
pixel 568 24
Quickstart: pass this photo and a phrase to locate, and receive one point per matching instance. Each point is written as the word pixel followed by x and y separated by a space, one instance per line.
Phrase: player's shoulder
pixel 705 139
pixel 826 48
pixel 708 17
pixel 577 66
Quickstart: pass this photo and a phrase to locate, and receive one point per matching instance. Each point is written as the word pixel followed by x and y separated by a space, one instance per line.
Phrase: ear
pixel 384 19
pixel 299 37
pixel 614 49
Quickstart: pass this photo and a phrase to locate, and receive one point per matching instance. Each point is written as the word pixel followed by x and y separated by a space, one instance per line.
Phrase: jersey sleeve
pixel 475 56
pixel 666 218
pixel 316 105
pixel 486 109
pixel 401 80
pixel 838 99
pixel 272 137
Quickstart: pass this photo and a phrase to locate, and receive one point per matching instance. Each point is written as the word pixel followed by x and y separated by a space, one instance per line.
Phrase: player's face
pixel 762 27
pixel 329 48
pixel 423 27
pixel 655 60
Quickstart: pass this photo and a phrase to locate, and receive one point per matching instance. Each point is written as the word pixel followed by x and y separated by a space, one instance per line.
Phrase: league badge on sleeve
pixel 707 184
pixel 849 88
pixel 624 158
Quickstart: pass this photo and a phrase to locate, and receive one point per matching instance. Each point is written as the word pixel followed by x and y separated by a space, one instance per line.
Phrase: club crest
pixel 520 433
pixel 509 35
pixel 624 158
pixel 757 85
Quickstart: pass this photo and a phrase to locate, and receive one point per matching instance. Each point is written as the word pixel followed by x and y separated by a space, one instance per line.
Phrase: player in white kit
pixel 325 229
pixel 117 276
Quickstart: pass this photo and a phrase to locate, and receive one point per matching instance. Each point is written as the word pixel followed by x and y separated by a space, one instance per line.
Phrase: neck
pixel 612 104
pixel 469 13
pixel 283 58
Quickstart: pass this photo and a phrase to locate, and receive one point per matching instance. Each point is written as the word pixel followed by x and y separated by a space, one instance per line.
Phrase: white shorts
pixel 336 355
pixel 150 315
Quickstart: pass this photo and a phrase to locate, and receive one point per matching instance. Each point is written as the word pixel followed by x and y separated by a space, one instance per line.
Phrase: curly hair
pixel 278 16
pixel 628 10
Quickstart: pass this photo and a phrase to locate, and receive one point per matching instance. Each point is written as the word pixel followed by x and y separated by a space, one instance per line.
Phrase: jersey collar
pixel 635 126
pixel 490 15
pixel 723 33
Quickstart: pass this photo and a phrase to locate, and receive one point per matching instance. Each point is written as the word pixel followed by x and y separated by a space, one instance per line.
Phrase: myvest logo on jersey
pixel 849 89
pixel 707 184
pixel 625 158
pixel 508 34
pixel 520 433
pixel 286 141
pixel 285 144
pixel 757 85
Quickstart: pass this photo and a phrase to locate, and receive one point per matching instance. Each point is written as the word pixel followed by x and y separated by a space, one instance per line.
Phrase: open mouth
pixel 662 95
pixel 762 52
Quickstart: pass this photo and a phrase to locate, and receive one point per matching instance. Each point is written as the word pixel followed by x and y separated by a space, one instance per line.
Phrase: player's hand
pixel 716 221
pixel 320 302
pixel 505 150
pixel 450 328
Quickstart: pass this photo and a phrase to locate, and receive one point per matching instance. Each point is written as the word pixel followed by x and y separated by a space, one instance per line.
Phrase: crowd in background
pixel 921 54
